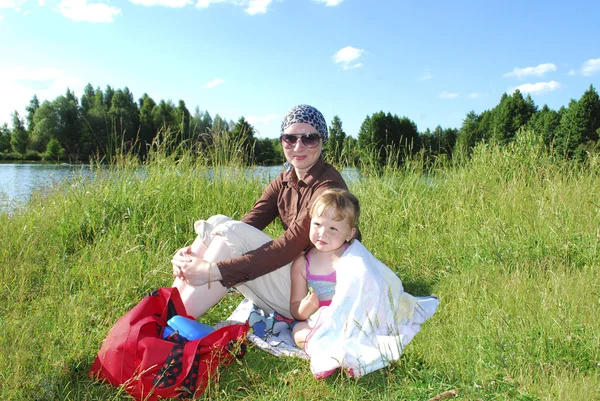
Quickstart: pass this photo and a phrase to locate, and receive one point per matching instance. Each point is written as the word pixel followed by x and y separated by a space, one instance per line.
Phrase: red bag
pixel 135 355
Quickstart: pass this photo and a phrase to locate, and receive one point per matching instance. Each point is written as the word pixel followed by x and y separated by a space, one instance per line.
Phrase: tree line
pixel 106 121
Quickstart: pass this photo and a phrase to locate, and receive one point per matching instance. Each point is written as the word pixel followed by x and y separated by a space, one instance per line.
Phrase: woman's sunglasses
pixel 311 141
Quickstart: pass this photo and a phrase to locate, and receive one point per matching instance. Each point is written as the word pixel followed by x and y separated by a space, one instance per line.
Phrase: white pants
pixel 270 292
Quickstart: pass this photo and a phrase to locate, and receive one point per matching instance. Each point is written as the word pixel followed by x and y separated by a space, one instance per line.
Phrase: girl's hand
pixel 309 304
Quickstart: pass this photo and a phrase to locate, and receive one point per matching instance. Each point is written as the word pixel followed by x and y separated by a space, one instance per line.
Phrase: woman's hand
pixel 179 259
pixel 194 270
pixel 309 304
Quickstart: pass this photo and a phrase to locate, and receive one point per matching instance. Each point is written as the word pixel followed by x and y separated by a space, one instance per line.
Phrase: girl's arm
pixel 299 287
pixel 302 303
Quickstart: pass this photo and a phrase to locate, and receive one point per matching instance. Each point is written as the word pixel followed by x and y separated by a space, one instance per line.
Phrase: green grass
pixel 508 240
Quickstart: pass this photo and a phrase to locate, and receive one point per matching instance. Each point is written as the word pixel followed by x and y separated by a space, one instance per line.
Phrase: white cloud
pixel 166 3
pixel 80 10
pixel 206 3
pixel 347 56
pixel 251 7
pixel 591 67
pixel 26 13
pixel 330 3
pixel 474 95
pixel 539 71
pixel 22 84
pixel 538 87
pixel 449 95
pixel 11 3
pixel 258 6
pixel 213 83
pixel 349 67
pixel 426 75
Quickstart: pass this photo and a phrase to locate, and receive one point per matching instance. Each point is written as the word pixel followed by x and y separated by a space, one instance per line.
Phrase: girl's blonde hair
pixel 343 204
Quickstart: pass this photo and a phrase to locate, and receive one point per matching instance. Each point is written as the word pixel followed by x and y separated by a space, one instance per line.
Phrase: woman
pixel 238 253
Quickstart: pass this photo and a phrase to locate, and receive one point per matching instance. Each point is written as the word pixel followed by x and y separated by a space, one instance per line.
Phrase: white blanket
pixel 370 320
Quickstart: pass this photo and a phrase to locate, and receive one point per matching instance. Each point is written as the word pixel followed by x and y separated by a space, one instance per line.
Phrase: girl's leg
pixel 199 299
pixel 300 332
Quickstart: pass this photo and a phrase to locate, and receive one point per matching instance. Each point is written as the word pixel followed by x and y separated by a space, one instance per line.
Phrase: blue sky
pixel 430 61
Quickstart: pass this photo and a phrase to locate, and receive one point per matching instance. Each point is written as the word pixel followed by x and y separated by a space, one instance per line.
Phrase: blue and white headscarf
pixel 304 113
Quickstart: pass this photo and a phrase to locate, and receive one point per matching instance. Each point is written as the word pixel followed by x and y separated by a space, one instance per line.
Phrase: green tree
pixel 109 92
pixel 219 124
pixel 590 105
pixel 409 135
pixel 96 124
pixel 485 124
pixel 163 115
pixel 18 136
pixel 468 136
pixel 448 140
pixel 510 115
pixel 335 145
pixel 351 151
pixel 69 124
pixel 207 122
pixel 4 138
pixel 545 123
pixel 88 98
pixel 195 121
pixel 124 115
pixel 45 122
pixel 578 130
pixel 242 136
pixel 243 133
pixel 147 128
pixel 383 133
pixel 265 152
pixel 182 117
pixel 202 124
pixel 94 121
pixel 53 150
pixel 439 141
pixel 34 104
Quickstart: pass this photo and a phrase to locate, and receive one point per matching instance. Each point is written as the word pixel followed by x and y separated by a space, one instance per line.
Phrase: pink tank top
pixel 324 286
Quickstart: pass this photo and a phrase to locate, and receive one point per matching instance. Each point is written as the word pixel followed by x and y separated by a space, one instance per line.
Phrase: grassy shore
pixel 508 240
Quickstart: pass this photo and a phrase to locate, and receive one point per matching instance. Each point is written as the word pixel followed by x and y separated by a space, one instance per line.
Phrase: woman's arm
pixel 265 209
pixel 268 257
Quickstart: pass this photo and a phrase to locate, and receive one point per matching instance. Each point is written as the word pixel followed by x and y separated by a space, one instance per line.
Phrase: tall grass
pixel 508 240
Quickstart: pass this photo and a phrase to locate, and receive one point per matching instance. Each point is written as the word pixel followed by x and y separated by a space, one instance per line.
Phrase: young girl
pixel 334 220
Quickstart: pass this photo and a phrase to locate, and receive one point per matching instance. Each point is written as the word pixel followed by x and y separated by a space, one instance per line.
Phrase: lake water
pixel 19 180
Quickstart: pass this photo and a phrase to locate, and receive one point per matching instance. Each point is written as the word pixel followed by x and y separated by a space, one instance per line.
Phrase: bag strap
pixel 132 340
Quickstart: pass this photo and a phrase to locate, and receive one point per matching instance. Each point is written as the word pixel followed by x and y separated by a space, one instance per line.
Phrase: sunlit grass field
pixel 509 240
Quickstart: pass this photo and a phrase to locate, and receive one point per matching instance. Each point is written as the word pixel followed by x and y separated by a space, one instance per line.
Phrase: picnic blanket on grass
pixel 270 332
pixel 369 322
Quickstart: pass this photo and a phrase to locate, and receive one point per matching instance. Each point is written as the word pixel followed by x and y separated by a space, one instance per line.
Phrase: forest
pixel 106 122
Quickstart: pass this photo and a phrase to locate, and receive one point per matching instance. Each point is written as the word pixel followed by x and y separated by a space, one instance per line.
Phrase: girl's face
pixel 301 157
pixel 327 234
